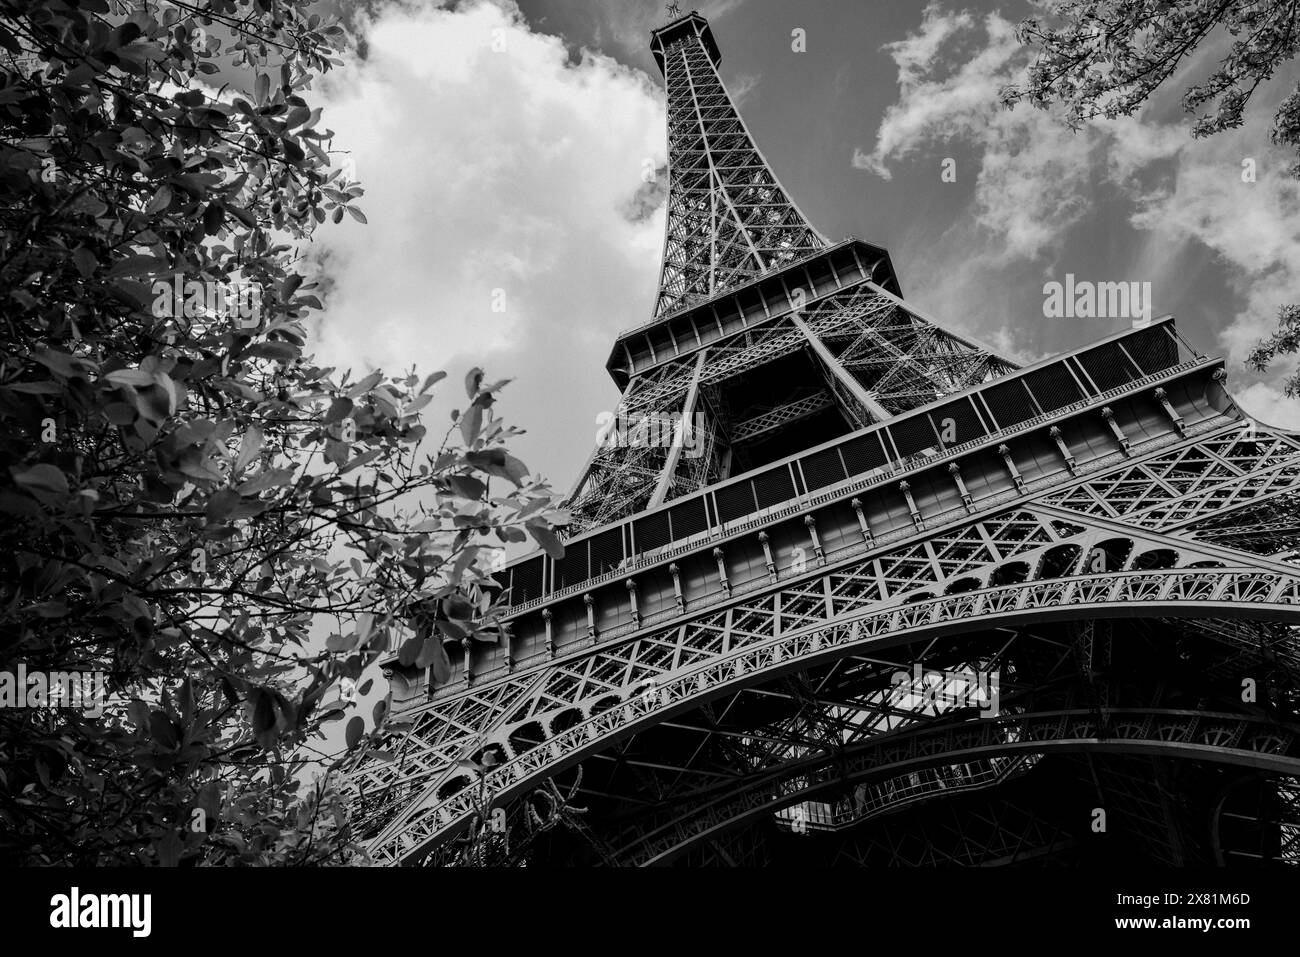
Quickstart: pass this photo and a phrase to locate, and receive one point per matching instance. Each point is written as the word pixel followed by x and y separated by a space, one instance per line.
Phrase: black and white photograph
pixel 516 441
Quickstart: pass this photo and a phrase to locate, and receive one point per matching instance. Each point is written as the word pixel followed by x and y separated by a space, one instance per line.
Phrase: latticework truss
pixel 1102 546
pixel 997 574
pixel 729 220
pixel 873 355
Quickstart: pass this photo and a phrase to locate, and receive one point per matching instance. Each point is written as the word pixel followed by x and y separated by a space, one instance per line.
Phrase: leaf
pixel 161 200
pixel 549 541
pixel 60 363
pixel 221 505
pixel 410 651
pixel 248 449
pixel 452 629
pixel 340 643
pixel 339 410
pixel 470 423
pixel 85 261
pixel 162 730
pixel 428 650
pixel 337 452
pixel 498 462
pixel 365 385
pixel 466 486
pixel 263 715
pixel 275 349
pixel 473 379
pixel 516 470
pixel 247 219
pixel 361 460
pixel 137 266
pixel 432 379
pixel 213 217
pixel 558 516
pixel 441 665
pixel 120 413
pixel 463 562
pixel 457 607
pixel 290 286
pixel 138 713
pixel 131 377
pixel 356 214
pixel 355 728
pixel 42 478
pixel 169 847
pixel 185 699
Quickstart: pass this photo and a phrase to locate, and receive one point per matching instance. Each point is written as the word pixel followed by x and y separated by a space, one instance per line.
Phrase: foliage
pixel 1285 340
pixel 1106 58
pixel 190 504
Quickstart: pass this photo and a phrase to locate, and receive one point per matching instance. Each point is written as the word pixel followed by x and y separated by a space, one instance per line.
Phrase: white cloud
pixel 1036 180
pixel 1268 404
pixel 742 86
pixel 1032 180
pixel 492 169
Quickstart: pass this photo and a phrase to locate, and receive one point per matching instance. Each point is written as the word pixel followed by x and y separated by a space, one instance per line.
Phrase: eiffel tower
pixel 854 589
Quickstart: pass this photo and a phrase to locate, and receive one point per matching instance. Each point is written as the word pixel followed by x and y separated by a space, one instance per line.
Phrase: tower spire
pixel 765 339
pixel 729 219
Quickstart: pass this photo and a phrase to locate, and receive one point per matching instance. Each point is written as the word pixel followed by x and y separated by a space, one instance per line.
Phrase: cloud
pixel 509 223
pixel 1266 402
pixel 650 195
pixel 1253 227
pixel 1037 183
pixel 742 86
pixel 1033 173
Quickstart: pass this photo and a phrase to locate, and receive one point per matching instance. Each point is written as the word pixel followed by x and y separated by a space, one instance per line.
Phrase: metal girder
pixel 1193 481
pixel 997 832
pixel 1227 738
pixel 861 396
pixel 771 691
pixel 447 731
pixel 687 422
pixel 781 415
pixel 1172 591
pixel 729 220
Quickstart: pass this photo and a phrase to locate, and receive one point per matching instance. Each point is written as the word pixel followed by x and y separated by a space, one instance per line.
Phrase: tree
pixel 191 506
pixel 1105 58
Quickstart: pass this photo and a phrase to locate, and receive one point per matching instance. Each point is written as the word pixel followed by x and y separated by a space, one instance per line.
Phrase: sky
pixel 502 147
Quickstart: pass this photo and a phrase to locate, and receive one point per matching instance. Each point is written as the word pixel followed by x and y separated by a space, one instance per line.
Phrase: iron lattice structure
pixel 889 599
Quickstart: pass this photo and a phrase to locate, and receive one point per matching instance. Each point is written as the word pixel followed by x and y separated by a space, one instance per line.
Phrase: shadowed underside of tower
pixel 845 587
